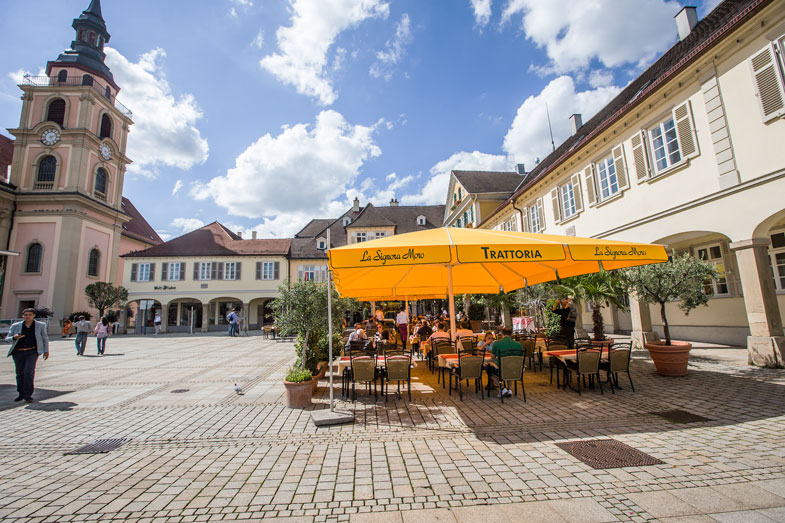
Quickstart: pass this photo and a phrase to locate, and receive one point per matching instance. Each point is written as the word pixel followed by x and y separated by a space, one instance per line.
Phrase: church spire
pixel 95 9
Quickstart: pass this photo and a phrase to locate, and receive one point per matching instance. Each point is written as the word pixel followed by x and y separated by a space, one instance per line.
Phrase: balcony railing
pixel 45 186
pixel 102 89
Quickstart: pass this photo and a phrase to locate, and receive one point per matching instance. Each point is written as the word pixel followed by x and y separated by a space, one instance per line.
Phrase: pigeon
pixel 238 389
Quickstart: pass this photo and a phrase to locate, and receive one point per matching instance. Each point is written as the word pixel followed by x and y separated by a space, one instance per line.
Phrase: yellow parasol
pixel 447 261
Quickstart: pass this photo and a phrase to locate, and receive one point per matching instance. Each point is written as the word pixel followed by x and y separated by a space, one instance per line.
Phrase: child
pixel 66 328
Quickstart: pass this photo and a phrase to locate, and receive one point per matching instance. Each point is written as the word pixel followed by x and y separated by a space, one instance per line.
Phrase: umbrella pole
pixel 451 298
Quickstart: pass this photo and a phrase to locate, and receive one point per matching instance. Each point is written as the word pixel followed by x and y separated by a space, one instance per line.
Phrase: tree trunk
pixel 467 303
pixel 599 327
pixel 665 327
pixel 305 347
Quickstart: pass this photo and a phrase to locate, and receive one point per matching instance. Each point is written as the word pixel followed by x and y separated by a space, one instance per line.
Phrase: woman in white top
pixel 101 332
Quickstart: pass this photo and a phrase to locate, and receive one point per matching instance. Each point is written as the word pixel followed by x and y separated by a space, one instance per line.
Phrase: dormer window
pixel 421 220
pixel 346 221
pixel 321 244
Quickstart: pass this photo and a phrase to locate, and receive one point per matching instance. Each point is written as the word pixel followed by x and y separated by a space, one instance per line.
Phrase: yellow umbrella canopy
pixel 448 261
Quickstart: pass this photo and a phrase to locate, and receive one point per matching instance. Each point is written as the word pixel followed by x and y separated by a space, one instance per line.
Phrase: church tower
pixel 67 175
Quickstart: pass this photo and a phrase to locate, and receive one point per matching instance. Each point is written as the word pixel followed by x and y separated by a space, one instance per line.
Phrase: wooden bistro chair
pixel 511 370
pixel 354 350
pixel 398 367
pixel 441 346
pixel 618 361
pixel 586 363
pixel 530 352
pixel 555 343
pixel 363 370
pixel 470 365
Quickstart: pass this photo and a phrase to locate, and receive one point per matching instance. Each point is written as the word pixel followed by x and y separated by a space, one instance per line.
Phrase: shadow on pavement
pixel 8 393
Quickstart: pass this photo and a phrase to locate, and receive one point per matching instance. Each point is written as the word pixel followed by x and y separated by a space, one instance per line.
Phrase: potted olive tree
pixel 681 279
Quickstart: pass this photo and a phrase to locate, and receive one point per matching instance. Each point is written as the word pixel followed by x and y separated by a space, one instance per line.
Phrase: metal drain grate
pixel 179 391
pixel 607 454
pixel 680 416
pixel 100 446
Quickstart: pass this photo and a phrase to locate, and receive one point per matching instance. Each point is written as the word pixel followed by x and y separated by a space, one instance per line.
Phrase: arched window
pixel 92 37
pixel 34 255
pixel 106 127
pixel 87 80
pixel 46 173
pixel 100 181
pixel 56 111
pixel 62 76
pixel 108 93
pixel 82 35
pixel 92 262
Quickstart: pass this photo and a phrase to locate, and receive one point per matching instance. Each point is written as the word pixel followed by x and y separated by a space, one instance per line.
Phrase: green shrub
pixel 297 374
pixel 552 325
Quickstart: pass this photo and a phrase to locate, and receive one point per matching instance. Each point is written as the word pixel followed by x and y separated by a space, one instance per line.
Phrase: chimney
pixel 253 235
pixel 520 169
pixel 394 202
pixel 240 234
pixel 686 19
pixel 356 205
pixel 575 123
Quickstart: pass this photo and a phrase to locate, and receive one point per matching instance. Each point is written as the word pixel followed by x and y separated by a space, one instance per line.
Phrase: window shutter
pixel 541 212
pixel 276 270
pixel 620 165
pixel 682 117
pixel 575 180
pixel 768 84
pixel 238 270
pixel 214 271
pixel 182 271
pixel 588 176
pixel 164 268
pixel 152 272
pixel 556 205
pixel 525 218
pixel 258 270
pixel 639 156
pixel 134 271
pixel 196 270
pixel 220 270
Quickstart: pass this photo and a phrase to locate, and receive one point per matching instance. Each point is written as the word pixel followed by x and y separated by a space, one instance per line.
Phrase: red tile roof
pixel 138 228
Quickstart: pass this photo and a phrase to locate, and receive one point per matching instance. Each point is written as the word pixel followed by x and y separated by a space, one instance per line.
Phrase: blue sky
pixel 263 114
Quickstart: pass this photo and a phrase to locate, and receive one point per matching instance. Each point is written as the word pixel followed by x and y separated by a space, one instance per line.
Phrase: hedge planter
pixel 298 395
pixel 670 360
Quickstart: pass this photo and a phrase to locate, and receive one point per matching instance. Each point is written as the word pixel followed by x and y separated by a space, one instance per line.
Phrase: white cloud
pixel 258 41
pixel 600 78
pixel 435 189
pixel 164 133
pixel 575 32
pixel 482 12
pixel 187 224
pixel 303 46
pixel 18 76
pixel 290 178
pixel 529 138
pixel 394 51
pixel 177 186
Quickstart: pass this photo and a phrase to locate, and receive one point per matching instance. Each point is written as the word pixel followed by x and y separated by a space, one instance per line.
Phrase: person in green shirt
pixel 505 346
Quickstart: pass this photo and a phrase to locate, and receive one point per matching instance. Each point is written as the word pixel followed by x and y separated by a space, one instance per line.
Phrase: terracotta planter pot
pixel 670 360
pixel 298 395
pixel 315 382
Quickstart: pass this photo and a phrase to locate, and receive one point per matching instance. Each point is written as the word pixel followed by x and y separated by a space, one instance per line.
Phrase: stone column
pixel 205 316
pixel 642 332
pixel 164 317
pixel 246 315
pixel 766 342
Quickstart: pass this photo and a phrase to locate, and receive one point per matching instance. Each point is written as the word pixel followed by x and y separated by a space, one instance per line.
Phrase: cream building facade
pixel 689 156
pixel 194 280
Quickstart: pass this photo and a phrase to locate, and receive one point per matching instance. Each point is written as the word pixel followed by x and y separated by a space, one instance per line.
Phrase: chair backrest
pixel 511 367
pixel 398 367
pixel 357 345
pixel 619 357
pixel 363 368
pixel 529 347
pixel 588 361
pixel 468 343
pixel 444 346
pixel 556 343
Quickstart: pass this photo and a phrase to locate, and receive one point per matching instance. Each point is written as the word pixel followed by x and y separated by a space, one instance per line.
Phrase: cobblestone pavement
pixel 199 451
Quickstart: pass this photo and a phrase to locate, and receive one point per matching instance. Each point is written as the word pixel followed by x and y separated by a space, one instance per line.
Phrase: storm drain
pixel 607 454
pixel 100 446
pixel 179 391
pixel 680 416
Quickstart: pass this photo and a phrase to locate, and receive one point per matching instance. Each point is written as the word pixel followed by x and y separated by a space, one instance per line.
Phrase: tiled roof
pixel 314 227
pixel 724 18
pixel 214 240
pixel 371 217
pixel 138 228
pixel 405 217
pixel 477 182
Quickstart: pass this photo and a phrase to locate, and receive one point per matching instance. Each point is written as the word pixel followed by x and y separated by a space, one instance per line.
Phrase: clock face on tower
pixel 106 152
pixel 50 136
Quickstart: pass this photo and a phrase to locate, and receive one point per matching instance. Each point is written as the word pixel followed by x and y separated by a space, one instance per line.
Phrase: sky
pixel 264 114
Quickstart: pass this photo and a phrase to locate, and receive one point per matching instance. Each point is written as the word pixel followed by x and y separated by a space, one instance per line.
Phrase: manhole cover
pixel 179 391
pixel 680 416
pixel 100 446
pixel 607 454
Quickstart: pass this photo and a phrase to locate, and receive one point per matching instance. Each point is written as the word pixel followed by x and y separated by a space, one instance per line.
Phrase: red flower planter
pixel 670 360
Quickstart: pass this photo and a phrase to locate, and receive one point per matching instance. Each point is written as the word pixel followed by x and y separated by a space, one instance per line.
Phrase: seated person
pixel 440 333
pixel 487 343
pixel 425 330
pixel 505 346
pixel 357 335
pixel 464 330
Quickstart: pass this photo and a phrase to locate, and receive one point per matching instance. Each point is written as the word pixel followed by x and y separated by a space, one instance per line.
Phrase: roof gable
pixel 138 228
pixel 478 182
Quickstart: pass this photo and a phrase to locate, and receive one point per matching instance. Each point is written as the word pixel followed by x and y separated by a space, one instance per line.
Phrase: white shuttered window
pixel 768 67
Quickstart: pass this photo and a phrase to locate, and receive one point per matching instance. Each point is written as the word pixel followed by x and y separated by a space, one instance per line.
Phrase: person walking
pixel 101 332
pixel 157 322
pixel 83 329
pixel 232 317
pixel 28 340
pixel 403 324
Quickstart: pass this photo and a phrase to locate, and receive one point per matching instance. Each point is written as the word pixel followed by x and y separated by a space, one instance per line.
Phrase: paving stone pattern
pixel 212 454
